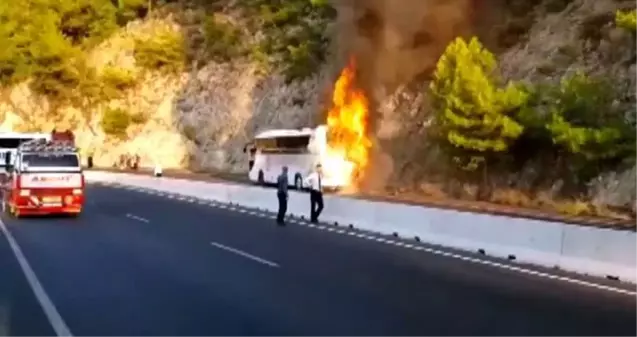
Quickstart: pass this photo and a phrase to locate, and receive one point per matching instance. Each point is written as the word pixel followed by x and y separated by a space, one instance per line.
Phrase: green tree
pixel 44 40
pixel 56 66
pixel 585 121
pixel 115 122
pixel 590 130
pixel 473 114
pixel 164 51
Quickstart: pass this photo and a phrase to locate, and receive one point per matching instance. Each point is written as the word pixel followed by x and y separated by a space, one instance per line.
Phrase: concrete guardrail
pixel 587 250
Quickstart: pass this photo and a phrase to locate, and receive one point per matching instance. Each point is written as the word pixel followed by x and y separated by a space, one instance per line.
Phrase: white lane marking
pixel 138 218
pixel 474 260
pixel 244 254
pixel 52 314
pixel 527 271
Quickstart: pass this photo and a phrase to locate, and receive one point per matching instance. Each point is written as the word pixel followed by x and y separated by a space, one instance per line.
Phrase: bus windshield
pixel 68 160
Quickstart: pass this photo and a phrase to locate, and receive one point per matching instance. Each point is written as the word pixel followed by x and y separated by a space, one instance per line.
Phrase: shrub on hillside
pixel 116 80
pixel 139 118
pixel 128 10
pixel 85 20
pixel 293 38
pixel 223 40
pixel 588 127
pixel 115 122
pixel 576 128
pixel 584 120
pixel 163 51
pixel 627 20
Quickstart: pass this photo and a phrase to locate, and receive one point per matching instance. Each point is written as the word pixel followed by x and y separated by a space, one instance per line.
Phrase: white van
pixel 299 150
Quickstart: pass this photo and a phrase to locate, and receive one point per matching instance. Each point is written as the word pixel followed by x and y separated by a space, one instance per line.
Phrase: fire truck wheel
pixel 14 212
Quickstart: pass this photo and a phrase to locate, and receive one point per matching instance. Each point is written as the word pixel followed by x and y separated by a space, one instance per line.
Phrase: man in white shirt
pixel 316 193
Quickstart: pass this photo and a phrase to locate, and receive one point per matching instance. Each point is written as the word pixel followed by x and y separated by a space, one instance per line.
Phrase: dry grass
pixel 512 197
pixel 432 190
pixel 575 208
pixel 544 201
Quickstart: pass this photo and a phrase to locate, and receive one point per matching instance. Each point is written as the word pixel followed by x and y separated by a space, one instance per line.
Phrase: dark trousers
pixel 316 203
pixel 283 207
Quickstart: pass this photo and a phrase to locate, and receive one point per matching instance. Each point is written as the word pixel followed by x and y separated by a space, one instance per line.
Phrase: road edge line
pixel 51 313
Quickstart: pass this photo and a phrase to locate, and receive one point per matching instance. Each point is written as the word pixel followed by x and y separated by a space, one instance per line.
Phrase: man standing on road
pixel 316 193
pixel 282 194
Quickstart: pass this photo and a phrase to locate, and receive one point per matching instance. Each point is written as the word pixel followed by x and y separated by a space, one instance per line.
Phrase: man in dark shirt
pixel 282 194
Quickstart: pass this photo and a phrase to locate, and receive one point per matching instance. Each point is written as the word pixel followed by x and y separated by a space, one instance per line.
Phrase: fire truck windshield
pixel 68 160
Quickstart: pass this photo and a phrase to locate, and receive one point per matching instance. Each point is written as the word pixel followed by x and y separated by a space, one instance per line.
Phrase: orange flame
pixel 347 124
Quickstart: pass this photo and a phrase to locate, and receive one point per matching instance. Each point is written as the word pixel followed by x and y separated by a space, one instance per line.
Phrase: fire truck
pixel 45 177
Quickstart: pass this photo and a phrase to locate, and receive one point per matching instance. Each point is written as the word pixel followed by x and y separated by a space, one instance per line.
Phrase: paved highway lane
pixel 20 312
pixel 138 264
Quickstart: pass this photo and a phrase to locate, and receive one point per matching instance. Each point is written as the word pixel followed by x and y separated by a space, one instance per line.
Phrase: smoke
pixel 396 42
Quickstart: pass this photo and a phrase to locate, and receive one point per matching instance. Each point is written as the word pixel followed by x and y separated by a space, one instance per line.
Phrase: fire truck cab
pixel 45 177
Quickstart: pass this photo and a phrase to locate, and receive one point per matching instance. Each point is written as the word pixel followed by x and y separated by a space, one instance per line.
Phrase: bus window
pixel 267 144
pixel 293 143
pixel 289 144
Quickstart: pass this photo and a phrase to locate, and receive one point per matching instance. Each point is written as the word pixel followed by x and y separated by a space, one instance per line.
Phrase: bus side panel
pixel 272 164
pixel 260 164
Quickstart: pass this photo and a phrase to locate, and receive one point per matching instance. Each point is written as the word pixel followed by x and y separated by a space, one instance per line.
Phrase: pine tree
pixel 472 112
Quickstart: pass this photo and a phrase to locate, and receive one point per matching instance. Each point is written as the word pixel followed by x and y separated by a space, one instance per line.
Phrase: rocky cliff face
pixel 201 117
pixel 198 119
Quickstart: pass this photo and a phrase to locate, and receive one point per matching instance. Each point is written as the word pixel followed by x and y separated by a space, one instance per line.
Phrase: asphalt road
pixel 139 264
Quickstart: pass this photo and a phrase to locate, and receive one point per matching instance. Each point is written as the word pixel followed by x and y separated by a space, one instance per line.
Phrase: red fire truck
pixel 45 177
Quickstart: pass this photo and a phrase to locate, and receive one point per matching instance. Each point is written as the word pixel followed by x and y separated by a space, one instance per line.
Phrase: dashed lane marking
pixel 246 255
pixel 137 218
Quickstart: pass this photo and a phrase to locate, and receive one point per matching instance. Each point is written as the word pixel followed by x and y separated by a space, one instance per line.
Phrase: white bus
pixel 9 142
pixel 299 150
